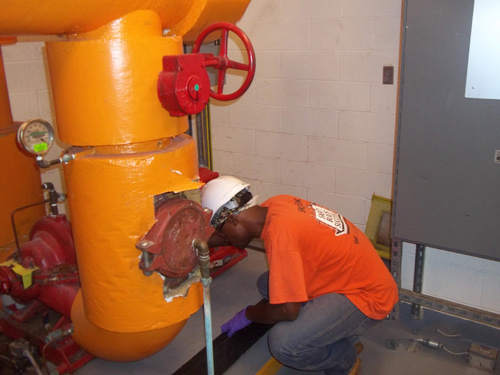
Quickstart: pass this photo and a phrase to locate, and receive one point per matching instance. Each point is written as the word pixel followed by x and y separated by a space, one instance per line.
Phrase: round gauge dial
pixel 36 136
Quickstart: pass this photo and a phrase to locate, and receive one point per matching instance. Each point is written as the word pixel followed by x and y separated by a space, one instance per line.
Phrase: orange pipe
pixel 136 151
pixel 113 345
pixel 111 200
pixel 80 16
pixel 104 85
pixel 224 10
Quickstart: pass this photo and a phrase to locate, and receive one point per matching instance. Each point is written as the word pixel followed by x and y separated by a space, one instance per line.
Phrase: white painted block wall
pixel 31 97
pixel 316 122
pixel 463 279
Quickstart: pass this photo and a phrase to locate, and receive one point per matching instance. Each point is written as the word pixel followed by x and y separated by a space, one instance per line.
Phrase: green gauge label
pixel 40 147
pixel 39 134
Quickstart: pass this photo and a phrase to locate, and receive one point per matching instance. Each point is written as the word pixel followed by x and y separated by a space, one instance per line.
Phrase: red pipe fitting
pixel 5 284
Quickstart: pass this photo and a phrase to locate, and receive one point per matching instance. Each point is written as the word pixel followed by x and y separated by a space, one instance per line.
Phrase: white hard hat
pixel 222 193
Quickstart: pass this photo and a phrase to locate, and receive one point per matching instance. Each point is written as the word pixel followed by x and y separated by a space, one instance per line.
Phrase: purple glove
pixel 237 322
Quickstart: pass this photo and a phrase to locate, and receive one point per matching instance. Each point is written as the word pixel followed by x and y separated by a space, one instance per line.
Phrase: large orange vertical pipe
pixel 135 151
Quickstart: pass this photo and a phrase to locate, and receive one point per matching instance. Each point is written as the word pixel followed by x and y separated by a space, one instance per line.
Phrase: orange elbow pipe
pixel 117 346
pixel 55 17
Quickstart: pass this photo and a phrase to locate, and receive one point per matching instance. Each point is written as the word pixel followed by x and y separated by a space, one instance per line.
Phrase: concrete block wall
pixel 31 97
pixel 317 121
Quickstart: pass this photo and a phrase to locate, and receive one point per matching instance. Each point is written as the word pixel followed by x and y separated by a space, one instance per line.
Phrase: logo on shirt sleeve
pixel 332 219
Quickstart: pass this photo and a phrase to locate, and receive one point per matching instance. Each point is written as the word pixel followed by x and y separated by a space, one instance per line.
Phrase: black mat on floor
pixel 227 350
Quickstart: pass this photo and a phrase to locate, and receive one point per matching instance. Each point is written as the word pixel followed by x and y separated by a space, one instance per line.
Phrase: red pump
pixel 48 265
pixel 42 275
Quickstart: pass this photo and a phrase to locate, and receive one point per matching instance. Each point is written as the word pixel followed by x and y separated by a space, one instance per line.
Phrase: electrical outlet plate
pixel 388 75
pixel 482 356
pixel 497 156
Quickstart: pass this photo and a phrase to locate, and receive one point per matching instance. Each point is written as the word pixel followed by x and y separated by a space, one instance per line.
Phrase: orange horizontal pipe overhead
pixel 79 16
pixel 223 10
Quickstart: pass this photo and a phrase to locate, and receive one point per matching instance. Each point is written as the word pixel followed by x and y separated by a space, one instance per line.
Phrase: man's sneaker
pixel 356 368
pixel 359 347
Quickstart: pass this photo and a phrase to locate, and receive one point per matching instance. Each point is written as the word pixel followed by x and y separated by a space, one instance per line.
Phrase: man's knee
pixel 280 345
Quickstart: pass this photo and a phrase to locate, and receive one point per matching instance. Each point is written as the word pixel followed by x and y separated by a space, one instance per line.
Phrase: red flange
pixel 168 246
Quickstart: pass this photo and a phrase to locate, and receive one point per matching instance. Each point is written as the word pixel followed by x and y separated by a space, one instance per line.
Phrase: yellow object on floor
pixel 356 368
pixel 270 368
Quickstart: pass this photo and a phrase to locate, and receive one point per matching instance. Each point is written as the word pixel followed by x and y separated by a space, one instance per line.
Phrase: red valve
pixel 223 63
pixel 184 85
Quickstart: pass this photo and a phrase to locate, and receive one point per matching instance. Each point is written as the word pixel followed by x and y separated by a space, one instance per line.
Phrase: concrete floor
pixel 235 289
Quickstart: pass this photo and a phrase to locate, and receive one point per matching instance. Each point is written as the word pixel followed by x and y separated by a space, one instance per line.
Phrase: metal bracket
pixel 418 280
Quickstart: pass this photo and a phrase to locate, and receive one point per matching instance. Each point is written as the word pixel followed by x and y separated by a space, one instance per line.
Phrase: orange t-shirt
pixel 313 251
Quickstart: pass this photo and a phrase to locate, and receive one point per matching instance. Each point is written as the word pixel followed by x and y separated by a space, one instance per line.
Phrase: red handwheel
pixel 222 63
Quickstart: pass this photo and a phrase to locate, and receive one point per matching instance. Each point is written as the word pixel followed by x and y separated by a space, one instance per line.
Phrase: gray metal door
pixel 447 183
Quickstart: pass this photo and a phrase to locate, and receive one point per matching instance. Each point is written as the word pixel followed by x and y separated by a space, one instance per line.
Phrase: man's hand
pixel 239 321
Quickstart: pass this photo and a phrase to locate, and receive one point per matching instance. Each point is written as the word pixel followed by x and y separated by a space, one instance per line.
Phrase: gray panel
pixel 447 185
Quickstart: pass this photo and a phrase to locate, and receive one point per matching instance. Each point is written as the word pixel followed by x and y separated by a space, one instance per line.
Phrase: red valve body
pixel 183 85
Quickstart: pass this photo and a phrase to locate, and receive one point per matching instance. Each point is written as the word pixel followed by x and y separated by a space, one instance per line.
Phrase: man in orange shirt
pixel 326 284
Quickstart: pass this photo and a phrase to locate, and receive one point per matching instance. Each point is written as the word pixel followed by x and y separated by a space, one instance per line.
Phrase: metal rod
pixel 53 197
pixel 14 222
pixel 204 262
pixel 418 277
pixel 451 308
pixel 30 357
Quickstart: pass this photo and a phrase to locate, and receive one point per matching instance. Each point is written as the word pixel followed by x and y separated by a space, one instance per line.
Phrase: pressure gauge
pixel 36 136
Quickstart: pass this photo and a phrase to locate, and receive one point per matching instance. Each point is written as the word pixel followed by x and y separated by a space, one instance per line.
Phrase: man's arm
pixel 217 239
pixel 269 314
pixel 261 313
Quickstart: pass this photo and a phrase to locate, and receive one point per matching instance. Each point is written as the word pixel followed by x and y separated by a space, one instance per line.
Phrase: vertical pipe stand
pixel 204 262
